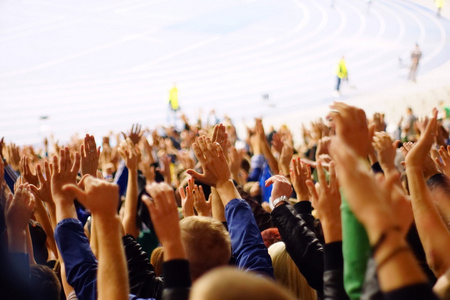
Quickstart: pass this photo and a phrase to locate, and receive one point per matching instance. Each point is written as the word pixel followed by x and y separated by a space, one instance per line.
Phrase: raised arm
pixel 100 197
pixel 129 153
pixel 397 268
pixel 163 210
pixel 427 218
pixel 246 241
pixel 90 156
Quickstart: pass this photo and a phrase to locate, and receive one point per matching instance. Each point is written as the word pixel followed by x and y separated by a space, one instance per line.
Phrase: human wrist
pixel 332 231
pixel 17 240
pixel 173 249
pixel 224 184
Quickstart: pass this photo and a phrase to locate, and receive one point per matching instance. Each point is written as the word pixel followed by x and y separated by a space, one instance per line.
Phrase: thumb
pixel 195 174
pixel 79 193
pixel 270 181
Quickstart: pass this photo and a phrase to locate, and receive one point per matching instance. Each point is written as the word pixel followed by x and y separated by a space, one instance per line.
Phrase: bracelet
pixel 391 255
pixel 383 237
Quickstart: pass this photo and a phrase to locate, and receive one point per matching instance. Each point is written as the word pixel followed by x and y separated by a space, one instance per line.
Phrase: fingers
pixel 149 203
pixel 333 177
pixel 75 190
pixel 276 178
pixel 182 193
pixel 312 191
pixel 47 170
pixel 195 175
pixel 55 165
pixel 39 174
pixel 321 174
pixel 199 153
pixel 82 182
pixel 76 164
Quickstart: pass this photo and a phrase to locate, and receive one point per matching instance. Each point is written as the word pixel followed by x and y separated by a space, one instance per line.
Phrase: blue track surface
pixel 100 65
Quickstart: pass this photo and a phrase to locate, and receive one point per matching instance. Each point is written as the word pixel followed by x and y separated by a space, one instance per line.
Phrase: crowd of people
pixel 197 213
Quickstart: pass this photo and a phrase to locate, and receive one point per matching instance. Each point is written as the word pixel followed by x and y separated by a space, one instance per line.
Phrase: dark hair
pixel 44 283
pixel 439 180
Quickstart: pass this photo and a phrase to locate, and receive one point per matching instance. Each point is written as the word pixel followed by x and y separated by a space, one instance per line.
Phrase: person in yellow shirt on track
pixel 341 73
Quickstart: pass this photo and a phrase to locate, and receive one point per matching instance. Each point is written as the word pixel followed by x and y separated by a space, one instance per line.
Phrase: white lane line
pixel 36 30
pixel 140 5
pixel 74 56
pixel 248 50
pixel 174 54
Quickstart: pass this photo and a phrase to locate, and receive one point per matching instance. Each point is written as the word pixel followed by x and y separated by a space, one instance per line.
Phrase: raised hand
pixel 18 210
pixel 351 127
pixel 99 196
pixel 213 161
pixel 148 171
pixel 202 206
pixel 63 172
pixel 44 192
pixel 148 151
pixel 90 155
pixel 13 159
pixel 364 195
pixel 281 186
pixel 187 199
pixel 220 136
pixel 386 150
pixel 163 210
pixel 25 171
pixel 165 170
pixel 277 143
pixel 129 153
pixel 429 168
pixel 300 173
pixel 135 133
pixel 327 202
pixel 442 159
pixel 186 160
pixel 235 160
pixel 323 148
pixel 285 158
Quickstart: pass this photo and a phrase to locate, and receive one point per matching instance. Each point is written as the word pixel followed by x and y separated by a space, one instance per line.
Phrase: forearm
pixel 271 160
pixel 217 208
pixel 64 210
pixel 246 240
pixel 301 243
pixel 428 220
pixel 112 280
pixel 227 192
pixel 355 250
pixel 17 240
pixel 129 220
pixel 77 260
pixel 43 218
pixel 396 270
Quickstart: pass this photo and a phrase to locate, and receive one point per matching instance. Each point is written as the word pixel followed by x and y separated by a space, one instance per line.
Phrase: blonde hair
pixel 156 259
pixel 206 242
pixel 228 283
pixel 287 274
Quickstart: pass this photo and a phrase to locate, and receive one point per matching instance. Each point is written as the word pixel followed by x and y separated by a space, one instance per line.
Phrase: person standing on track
pixel 341 73
pixel 173 104
pixel 439 4
pixel 416 54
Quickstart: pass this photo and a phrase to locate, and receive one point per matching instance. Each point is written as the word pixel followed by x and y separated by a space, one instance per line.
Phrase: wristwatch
pixel 280 199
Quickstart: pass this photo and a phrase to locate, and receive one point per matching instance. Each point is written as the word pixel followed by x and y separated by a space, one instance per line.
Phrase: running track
pixel 100 65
